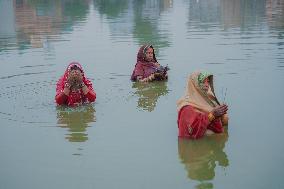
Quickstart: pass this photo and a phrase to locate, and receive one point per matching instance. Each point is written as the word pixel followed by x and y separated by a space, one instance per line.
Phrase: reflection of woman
pixel 200 156
pixel 199 110
pixel 73 88
pixel 149 94
pixel 76 120
pixel 147 67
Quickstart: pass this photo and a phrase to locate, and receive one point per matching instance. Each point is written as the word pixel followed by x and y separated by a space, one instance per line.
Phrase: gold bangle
pixel 211 117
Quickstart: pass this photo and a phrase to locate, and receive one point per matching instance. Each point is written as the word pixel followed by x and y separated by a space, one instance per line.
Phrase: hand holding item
pixel 71 80
pixel 79 77
pixel 157 64
pixel 73 88
pixel 161 76
pixel 75 82
pixel 66 89
pixel 149 78
pixel 220 110
pixel 75 78
pixel 157 74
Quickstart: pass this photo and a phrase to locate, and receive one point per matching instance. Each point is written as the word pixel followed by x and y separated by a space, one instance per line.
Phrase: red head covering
pixel 76 96
pixel 143 67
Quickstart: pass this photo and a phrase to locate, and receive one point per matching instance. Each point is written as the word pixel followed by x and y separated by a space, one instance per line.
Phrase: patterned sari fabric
pixel 144 68
pixel 76 96
pixel 194 107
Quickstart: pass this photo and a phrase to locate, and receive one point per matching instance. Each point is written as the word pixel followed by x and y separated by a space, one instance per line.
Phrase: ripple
pixel 235 59
pixel 232 73
pixel 40 65
pixel 120 75
pixel 31 102
pixel 214 63
pixel 25 74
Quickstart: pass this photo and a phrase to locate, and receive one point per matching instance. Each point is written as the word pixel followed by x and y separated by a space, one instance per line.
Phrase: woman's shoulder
pixel 139 63
pixel 189 109
pixel 186 108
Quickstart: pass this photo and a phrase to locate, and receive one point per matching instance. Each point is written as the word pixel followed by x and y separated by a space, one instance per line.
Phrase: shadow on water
pixel 201 156
pixel 149 93
pixel 76 120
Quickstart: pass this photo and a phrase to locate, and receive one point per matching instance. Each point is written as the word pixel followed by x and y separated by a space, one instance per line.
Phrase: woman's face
pixel 149 54
pixel 205 84
pixel 75 73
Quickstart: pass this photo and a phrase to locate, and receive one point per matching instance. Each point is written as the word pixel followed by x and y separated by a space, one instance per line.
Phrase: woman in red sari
pixel 199 111
pixel 147 67
pixel 73 88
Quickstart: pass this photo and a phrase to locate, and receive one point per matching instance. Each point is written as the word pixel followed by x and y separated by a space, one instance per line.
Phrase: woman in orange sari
pixel 199 111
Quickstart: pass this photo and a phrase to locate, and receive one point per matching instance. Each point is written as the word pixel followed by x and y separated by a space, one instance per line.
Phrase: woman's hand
pixel 149 78
pixel 66 89
pixel 220 110
pixel 157 64
pixel 75 79
pixel 79 77
pixel 84 88
pixel 71 79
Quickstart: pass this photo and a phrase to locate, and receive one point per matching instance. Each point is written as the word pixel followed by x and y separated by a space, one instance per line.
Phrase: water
pixel 128 138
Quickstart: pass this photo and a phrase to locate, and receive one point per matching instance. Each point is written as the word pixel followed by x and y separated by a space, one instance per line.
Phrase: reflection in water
pixel 37 23
pixel 233 13
pixel 147 21
pixel 200 157
pixel 111 8
pixel 118 15
pixel 275 13
pixel 204 11
pixel 76 119
pixel 140 19
pixel 149 93
pixel 243 14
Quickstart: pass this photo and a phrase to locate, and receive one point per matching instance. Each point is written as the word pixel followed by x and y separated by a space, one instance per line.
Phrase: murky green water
pixel 128 138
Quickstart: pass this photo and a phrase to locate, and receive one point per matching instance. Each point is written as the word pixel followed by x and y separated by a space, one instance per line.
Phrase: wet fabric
pixel 194 124
pixel 194 107
pixel 143 67
pixel 76 96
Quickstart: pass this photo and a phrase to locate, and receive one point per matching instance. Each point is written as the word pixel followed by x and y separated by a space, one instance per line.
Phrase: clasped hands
pixel 153 76
pixel 220 110
pixel 74 81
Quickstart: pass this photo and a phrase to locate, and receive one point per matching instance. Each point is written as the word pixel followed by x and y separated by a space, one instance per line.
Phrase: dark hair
pixel 75 67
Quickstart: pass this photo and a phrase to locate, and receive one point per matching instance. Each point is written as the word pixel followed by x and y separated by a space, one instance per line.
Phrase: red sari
pixel 144 68
pixel 75 97
pixel 193 123
pixel 195 106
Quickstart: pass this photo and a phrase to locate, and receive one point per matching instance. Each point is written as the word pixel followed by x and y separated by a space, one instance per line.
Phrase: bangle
pixel 211 117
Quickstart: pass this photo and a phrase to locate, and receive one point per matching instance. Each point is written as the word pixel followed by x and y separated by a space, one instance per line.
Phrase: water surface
pixel 128 137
